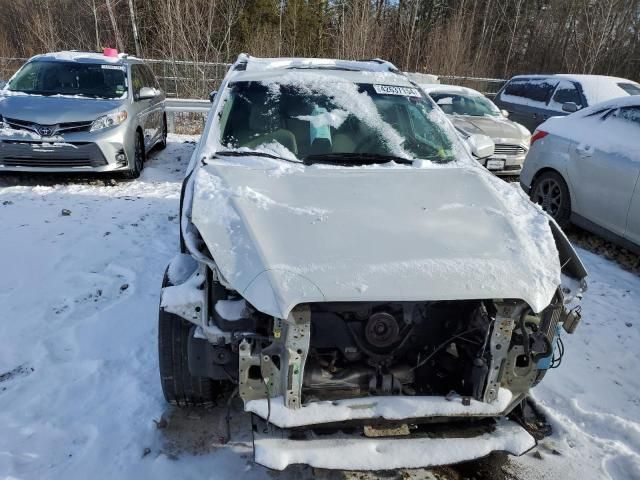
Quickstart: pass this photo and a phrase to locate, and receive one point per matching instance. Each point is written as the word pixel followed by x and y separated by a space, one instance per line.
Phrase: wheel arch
pixel 556 171
pixel 140 132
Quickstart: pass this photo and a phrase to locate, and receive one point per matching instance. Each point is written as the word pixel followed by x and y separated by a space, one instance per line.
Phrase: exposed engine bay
pixel 340 350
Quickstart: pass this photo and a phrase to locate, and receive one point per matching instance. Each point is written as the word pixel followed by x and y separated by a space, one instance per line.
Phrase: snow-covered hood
pixel 45 110
pixel 313 234
pixel 494 127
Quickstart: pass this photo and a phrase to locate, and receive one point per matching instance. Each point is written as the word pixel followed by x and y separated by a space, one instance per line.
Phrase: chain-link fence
pixel 186 79
pixel 189 79
pixel 488 86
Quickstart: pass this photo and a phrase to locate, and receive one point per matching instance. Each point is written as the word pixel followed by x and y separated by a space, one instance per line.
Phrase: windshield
pixel 462 104
pixel 70 78
pixel 312 118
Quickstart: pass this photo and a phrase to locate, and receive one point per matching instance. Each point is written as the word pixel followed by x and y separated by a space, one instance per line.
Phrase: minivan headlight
pixel 110 120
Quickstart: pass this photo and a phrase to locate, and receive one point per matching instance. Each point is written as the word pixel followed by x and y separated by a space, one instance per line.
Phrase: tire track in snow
pixel 620 449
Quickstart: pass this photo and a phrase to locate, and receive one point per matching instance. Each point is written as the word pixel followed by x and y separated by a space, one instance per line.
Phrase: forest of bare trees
pixel 495 38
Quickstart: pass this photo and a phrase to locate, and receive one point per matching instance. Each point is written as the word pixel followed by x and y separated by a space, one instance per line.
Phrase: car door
pixel 156 114
pixel 604 168
pixel 566 92
pixel 632 116
pixel 143 105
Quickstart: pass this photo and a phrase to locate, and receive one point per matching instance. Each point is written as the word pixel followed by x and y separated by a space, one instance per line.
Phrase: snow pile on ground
pixel 79 382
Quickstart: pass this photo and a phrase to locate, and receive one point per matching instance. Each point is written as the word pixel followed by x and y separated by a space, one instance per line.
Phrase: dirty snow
pixel 79 384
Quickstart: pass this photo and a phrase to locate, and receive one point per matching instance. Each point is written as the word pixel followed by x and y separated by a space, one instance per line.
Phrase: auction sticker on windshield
pixel 396 90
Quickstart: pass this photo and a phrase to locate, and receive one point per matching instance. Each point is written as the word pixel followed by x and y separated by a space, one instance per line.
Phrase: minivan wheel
pixel 162 144
pixel 550 191
pixel 138 158
pixel 179 387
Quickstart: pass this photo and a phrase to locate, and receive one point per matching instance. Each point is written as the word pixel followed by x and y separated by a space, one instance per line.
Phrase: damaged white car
pixel 376 298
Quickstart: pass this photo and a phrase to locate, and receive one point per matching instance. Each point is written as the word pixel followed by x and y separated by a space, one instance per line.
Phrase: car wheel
pixel 162 144
pixel 550 191
pixel 138 158
pixel 179 387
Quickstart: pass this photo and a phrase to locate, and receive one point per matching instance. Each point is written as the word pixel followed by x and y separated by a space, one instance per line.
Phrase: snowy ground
pixel 79 386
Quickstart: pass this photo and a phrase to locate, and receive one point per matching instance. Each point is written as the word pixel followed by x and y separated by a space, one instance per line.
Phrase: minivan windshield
pixel 70 78
pixel 316 120
pixel 461 104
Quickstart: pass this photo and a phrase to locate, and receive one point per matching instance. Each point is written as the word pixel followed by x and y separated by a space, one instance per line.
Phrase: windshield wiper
pixel 254 153
pixel 90 95
pixel 45 93
pixel 354 159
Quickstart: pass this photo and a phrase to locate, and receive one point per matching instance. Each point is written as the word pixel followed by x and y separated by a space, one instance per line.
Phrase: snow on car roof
pixel 437 87
pixel 248 68
pixel 330 75
pixel 82 57
pixel 630 101
pixel 256 63
pixel 596 88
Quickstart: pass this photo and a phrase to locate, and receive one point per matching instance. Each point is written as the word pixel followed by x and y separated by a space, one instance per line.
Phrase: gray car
pixel 532 99
pixel 472 113
pixel 78 111
pixel 584 169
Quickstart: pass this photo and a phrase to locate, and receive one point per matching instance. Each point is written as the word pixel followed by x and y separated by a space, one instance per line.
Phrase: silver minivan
pixel 79 111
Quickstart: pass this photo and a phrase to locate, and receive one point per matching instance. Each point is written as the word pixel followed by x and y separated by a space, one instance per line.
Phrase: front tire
pixel 162 144
pixel 138 158
pixel 179 387
pixel 550 191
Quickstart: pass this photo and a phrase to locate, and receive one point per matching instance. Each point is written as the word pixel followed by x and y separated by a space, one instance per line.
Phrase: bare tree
pixel 114 26
pixel 134 26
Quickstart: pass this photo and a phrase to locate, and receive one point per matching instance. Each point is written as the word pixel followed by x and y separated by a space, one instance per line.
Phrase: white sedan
pixel 584 169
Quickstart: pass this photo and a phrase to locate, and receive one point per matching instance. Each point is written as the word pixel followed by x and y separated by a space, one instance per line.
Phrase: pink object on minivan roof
pixel 110 52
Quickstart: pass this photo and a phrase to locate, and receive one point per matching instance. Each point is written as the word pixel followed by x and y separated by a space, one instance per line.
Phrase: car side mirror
pixel 146 93
pixel 212 95
pixel 504 113
pixel 481 145
pixel 569 107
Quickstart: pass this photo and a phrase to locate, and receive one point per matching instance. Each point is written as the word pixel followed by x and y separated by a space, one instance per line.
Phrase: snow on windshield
pixel 334 119
pixel 311 114
pixel 347 96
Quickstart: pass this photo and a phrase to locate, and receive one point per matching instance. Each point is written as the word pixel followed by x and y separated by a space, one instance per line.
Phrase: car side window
pixel 151 78
pixel 565 92
pixel 530 90
pixel 137 79
pixel 515 88
pixel 628 114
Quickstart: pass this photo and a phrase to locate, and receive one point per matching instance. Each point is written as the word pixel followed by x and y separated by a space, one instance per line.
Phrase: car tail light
pixel 537 135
